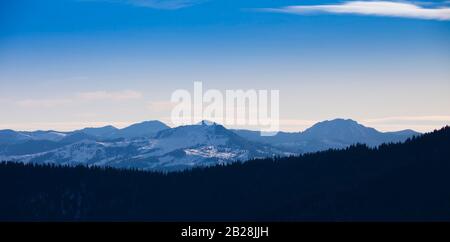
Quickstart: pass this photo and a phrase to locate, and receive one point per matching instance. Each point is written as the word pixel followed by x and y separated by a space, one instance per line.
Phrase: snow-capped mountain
pixel 154 146
pixel 171 149
pixel 8 136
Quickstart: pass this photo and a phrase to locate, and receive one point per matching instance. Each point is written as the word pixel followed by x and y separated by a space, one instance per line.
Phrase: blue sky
pixel 65 64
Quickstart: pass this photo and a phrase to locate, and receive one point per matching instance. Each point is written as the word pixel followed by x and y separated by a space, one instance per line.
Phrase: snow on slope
pixel 172 149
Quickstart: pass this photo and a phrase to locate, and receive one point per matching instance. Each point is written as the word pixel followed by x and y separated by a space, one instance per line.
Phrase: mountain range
pixel 152 145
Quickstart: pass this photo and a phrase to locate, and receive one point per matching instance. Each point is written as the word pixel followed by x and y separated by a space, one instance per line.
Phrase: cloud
pixel 80 97
pixel 105 95
pixel 374 8
pixel 157 4
pixel 43 103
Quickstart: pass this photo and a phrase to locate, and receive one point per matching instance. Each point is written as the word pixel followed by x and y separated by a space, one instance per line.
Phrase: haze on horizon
pixel 69 64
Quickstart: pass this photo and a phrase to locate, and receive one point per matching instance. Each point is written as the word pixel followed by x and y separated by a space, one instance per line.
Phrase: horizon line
pixel 382 126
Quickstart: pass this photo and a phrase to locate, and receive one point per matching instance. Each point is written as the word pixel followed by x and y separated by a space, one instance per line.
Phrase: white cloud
pixel 375 8
pixel 157 4
pixel 107 95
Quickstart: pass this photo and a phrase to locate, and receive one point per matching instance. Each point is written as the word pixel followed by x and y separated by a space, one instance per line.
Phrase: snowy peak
pixel 195 133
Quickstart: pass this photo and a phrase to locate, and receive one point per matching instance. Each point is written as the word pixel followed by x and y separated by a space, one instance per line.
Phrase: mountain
pixel 350 132
pixel 28 147
pixel 76 137
pixel 50 135
pixel 346 130
pixel 8 136
pixel 337 133
pixel 102 132
pixel 393 182
pixel 207 143
pixel 170 149
pixel 144 129
pixel 24 142
pixel 153 145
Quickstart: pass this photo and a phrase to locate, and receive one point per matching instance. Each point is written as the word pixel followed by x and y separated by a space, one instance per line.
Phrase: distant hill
pixel 103 132
pixel 393 182
pixel 144 129
pixel 337 133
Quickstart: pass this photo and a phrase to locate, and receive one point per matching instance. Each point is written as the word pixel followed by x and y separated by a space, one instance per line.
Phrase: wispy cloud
pixel 418 123
pixel 441 118
pixel 43 103
pixel 78 98
pixel 158 4
pixel 374 8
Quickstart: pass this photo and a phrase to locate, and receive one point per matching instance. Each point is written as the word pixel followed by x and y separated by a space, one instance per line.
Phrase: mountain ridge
pixel 155 146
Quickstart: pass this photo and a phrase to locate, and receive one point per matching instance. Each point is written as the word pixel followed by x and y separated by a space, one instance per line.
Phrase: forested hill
pixel 408 181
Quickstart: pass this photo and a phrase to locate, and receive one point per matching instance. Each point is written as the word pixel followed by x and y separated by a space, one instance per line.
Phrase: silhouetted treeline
pixel 409 181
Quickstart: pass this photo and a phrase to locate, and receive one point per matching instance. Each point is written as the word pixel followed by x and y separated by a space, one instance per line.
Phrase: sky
pixel 68 64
